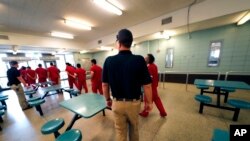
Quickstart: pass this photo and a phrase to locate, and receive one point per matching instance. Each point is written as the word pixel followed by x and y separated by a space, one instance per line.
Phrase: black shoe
pixel 26 108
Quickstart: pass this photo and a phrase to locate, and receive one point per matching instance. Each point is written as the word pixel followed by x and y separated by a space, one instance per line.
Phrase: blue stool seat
pixel 53 126
pixel 3 98
pixel 34 99
pixel 1 112
pixel 229 90
pixel 203 98
pixel 2 107
pixel 220 135
pixel 239 104
pixel 30 92
pixel 36 102
pixel 71 91
pixel 201 87
pixel 75 92
pixel 70 135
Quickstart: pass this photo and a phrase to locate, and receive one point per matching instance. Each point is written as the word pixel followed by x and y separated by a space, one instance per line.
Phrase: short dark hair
pixel 39 65
pixel 51 63
pixel 12 63
pixel 68 64
pixel 151 58
pixel 93 61
pixel 78 65
pixel 28 67
pixel 125 37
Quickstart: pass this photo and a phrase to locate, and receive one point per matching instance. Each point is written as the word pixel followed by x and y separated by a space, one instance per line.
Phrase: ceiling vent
pixel 166 21
pixel 4 37
pixel 99 41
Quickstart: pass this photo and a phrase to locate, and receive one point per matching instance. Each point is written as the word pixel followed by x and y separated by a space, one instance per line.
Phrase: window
pixel 35 59
pixel 214 53
pixel 70 59
pixel 169 58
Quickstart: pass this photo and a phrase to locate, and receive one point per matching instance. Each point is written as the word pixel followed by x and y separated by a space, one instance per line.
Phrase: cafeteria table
pixel 85 105
pixel 218 84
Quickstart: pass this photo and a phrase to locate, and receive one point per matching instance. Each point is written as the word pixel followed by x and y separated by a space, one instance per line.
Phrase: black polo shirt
pixel 126 73
pixel 12 75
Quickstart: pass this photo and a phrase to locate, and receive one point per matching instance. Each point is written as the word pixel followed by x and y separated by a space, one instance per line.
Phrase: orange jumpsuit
pixel 71 72
pixel 42 75
pixel 53 74
pixel 96 79
pixel 81 79
pixel 153 71
pixel 31 76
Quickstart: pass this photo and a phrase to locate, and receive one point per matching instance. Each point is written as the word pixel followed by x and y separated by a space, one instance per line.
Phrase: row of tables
pixel 85 105
pixel 90 104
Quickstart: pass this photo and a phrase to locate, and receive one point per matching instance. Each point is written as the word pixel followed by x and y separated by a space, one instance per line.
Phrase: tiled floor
pixel 183 122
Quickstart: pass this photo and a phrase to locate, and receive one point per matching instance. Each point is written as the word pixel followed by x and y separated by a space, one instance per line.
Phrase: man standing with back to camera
pixel 14 81
pixel 125 73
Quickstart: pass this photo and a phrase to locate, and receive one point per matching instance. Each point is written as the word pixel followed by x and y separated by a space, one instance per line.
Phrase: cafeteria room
pixel 124 70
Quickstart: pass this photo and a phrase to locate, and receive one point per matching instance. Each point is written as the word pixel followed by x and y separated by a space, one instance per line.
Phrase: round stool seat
pixel 230 90
pixel 2 107
pixel 220 135
pixel 201 87
pixel 203 98
pixel 52 126
pixel 71 135
pixel 2 98
pixel 1 112
pixel 68 90
pixel 36 102
pixel 239 103
pixel 30 92
pixel 34 99
pixel 74 92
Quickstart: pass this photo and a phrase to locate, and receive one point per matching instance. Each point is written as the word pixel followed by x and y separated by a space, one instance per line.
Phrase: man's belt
pixel 125 99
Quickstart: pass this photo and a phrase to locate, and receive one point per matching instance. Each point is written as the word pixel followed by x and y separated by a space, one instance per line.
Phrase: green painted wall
pixel 192 54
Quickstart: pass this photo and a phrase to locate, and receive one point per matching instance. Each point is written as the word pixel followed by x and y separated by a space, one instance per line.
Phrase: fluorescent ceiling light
pixel 83 51
pixel 244 19
pixel 105 48
pixel 107 5
pixel 169 32
pixel 62 35
pixel 76 24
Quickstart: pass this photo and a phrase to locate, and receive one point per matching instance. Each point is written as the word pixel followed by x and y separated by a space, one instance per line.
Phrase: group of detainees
pixel 76 76
pixel 120 81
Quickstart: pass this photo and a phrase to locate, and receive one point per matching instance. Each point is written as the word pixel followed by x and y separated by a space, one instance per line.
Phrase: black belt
pixel 125 99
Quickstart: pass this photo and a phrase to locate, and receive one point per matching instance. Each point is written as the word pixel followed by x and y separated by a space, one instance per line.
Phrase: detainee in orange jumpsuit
pixel 96 77
pixel 81 78
pixel 53 74
pixel 42 74
pixel 153 71
pixel 71 71
pixel 31 76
